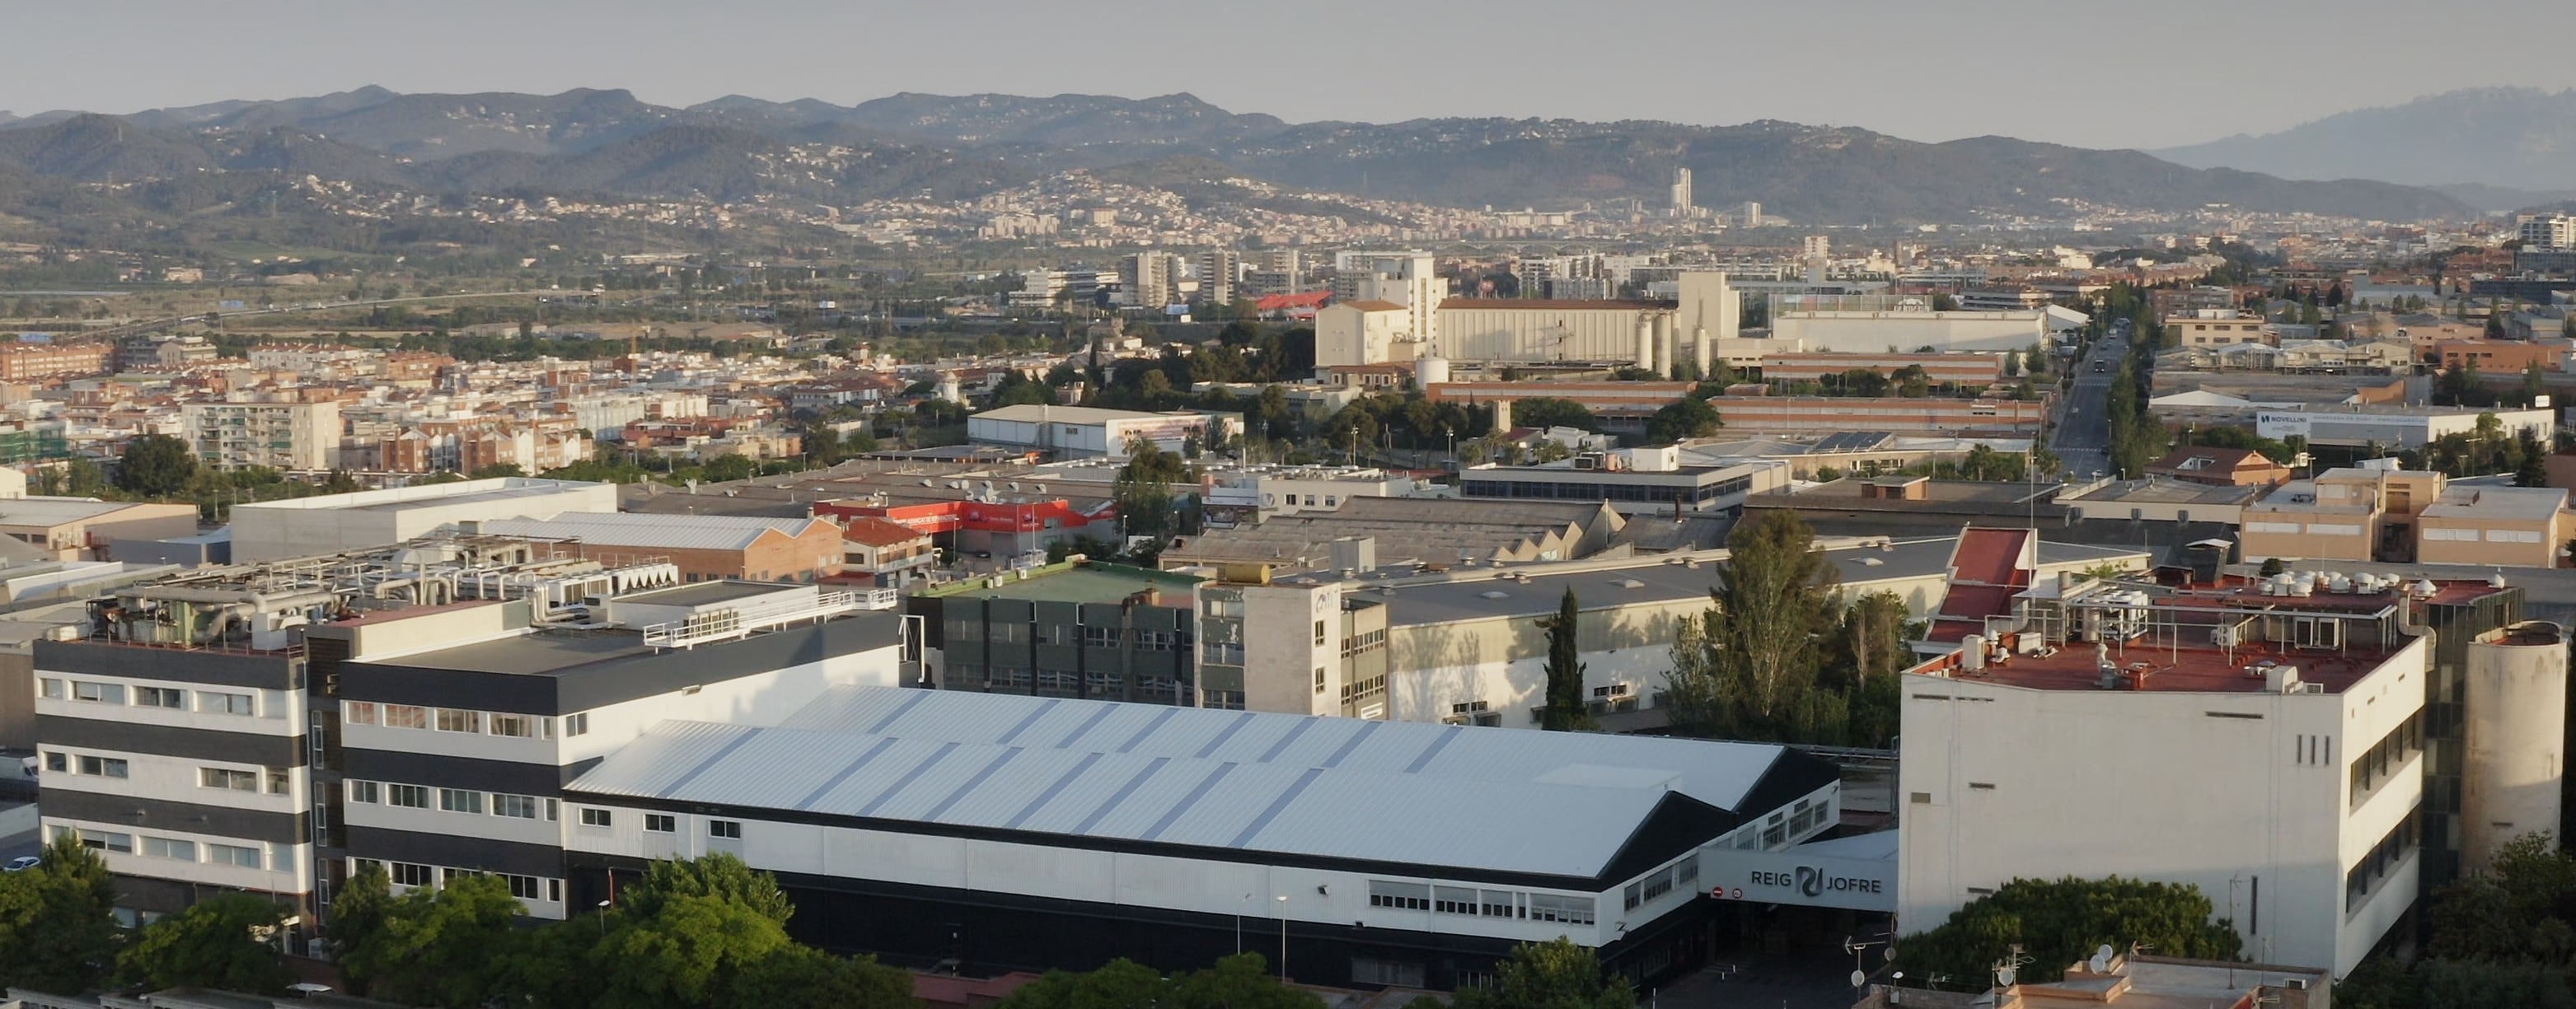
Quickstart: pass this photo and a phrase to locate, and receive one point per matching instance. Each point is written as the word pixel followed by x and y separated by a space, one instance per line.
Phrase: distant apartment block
pixel 286 436
pixel 21 362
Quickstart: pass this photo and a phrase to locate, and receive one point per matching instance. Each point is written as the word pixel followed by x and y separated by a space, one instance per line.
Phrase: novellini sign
pixel 1853 873
pixel 2282 424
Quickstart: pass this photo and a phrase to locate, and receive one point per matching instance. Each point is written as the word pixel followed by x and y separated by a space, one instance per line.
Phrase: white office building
pixel 2262 742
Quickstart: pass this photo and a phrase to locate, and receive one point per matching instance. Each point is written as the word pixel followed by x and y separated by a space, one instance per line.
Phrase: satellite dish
pixel 1859 978
pixel 1888 954
pixel 2004 976
pixel 2101 961
pixel 925 483
pixel 1015 486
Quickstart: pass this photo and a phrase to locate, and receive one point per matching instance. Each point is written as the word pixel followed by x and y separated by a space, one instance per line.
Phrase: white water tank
pixel 1972 653
pixel 1430 370
pixel 2515 737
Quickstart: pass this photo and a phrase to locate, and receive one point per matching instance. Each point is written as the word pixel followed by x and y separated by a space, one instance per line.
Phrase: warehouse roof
pixel 1037 413
pixel 1250 784
pixel 629 529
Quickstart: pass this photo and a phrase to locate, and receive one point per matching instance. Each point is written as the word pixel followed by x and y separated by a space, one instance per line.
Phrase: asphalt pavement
pixel 2083 437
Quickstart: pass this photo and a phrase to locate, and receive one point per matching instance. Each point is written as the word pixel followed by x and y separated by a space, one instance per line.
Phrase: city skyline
pixel 1482 61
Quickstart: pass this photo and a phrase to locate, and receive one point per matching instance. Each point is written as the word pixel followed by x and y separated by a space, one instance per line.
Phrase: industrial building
pixel 1655 481
pixel 331 523
pixel 1004 832
pixel 2394 427
pixel 2378 737
pixel 1987 415
pixel 1078 432
pixel 1670 338
pixel 704 547
pixel 2353 514
pixel 1915 331
pixel 265 728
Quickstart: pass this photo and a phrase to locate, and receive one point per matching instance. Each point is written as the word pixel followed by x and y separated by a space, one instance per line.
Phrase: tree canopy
pixel 59 920
pixel 1549 411
pixel 2060 922
pixel 1565 698
pixel 218 942
pixel 1687 417
pixel 1556 974
pixel 156 465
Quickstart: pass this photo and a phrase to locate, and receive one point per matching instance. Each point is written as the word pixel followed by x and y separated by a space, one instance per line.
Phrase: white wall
pixel 1878 332
pixel 1135 880
pixel 2002 782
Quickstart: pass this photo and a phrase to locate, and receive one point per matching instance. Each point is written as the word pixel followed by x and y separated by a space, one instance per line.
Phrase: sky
pixel 2093 74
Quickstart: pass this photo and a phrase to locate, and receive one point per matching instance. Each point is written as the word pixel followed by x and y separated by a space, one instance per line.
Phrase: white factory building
pixel 1082 432
pixel 2396 426
pixel 1656 335
pixel 330 523
pixel 2265 742
pixel 1028 832
pixel 1902 331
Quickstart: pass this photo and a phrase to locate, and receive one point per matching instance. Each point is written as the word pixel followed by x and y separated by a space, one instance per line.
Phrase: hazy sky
pixel 2133 74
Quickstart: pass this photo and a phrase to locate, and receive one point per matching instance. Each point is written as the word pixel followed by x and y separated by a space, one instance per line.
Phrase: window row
pixel 452 800
pixel 1405 896
pixel 173 848
pixel 414 874
pixel 495 723
pixel 2386 757
pixel 1682 875
pixel 58 762
pixel 662 823
pixel 212 702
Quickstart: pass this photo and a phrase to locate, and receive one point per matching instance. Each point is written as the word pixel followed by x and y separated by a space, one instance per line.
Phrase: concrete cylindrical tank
pixel 2516 737
pixel 1429 371
pixel 1646 343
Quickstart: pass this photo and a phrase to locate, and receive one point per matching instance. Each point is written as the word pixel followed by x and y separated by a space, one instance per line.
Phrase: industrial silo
pixel 2515 737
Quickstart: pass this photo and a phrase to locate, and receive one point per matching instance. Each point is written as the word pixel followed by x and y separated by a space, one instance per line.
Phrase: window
pixel 160 697
pixel 214 703
pixel 457 800
pixel 278 781
pixel 105 767
pixel 56 760
pixel 594 818
pixel 1633 896
pixel 1403 896
pixel 524 887
pixel 359 713
pixel 410 874
pixel 452 720
pixel 413 796
pixel 522 806
pixel 1570 910
pixel 1365 970
pixel 108 841
pixel 51 687
pixel 1319 679
pixel 575 725
pixel 365 791
pixel 1660 883
pixel 728 829
pixel 554 810
pixel 169 847
pixel 104 693
pixel 1319 634
pixel 661 823
pixel 406 716
pixel 513 725
pixel 227 778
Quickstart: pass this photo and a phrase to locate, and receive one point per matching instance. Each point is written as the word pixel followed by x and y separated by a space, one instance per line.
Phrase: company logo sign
pixel 1810 881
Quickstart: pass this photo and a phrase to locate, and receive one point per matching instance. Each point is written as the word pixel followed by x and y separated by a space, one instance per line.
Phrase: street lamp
pixel 1238 923
pixel 1283 937
pixel 603 919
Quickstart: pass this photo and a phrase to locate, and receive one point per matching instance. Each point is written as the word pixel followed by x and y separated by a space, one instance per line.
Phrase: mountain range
pixel 607 142
pixel 2497 148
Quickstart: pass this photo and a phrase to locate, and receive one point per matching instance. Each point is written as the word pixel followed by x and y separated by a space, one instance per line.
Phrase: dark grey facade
pixel 1139 652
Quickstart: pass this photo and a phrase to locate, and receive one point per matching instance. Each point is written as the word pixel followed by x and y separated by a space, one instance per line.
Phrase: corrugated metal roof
pixel 631 529
pixel 1500 800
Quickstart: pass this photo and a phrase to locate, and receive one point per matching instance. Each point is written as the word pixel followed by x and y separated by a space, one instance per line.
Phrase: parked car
pixel 23 863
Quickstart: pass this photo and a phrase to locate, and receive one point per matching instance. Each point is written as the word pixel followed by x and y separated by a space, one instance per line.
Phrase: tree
pixel 498 469
pixel 1143 490
pixel 1746 668
pixel 719 875
pixel 1017 389
pixel 1565 701
pixel 1241 981
pixel 219 943
pixel 2061 922
pixel 730 467
pixel 358 914
pixel 60 918
pixel 156 465
pixel 1548 411
pixel 1118 984
pixel 1942 302
pixel 1556 974
pixel 447 946
pixel 690 951
pixel 799 977
pixel 1684 418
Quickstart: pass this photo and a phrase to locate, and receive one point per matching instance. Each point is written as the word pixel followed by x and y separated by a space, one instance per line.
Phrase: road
pixel 2083 438
pixel 166 322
